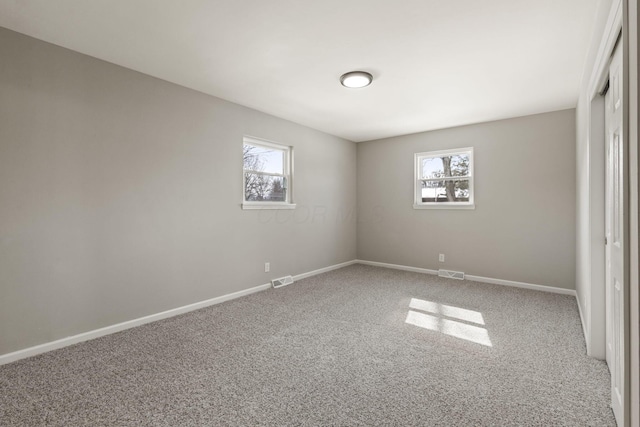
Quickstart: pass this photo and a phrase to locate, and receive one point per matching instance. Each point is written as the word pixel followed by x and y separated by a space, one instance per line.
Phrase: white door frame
pixel 631 38
pixel 617 234
pixel 621 11
pixel 595 305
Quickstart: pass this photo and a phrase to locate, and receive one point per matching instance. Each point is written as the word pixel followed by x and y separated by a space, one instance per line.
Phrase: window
pixel 444 179
pixel 267 175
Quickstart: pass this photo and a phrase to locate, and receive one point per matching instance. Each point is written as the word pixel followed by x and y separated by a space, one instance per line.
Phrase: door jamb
pixel 619 21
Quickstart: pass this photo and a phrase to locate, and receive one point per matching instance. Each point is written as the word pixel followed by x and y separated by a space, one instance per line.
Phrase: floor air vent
pixel 451 274
pixel 283 281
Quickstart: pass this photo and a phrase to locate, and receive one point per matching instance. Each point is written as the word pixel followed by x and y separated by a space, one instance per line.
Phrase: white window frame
pixel 288 175
pixel 417 180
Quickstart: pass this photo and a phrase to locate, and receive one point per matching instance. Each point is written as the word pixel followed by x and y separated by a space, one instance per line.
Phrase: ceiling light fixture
pixel 356 79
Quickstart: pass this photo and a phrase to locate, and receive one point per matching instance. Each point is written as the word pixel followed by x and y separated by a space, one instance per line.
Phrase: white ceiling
pixel 436 63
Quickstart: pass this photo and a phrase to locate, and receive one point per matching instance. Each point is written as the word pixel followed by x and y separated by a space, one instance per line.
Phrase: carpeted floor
pixel 356 346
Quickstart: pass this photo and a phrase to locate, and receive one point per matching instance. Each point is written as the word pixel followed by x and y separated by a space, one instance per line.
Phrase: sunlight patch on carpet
pixel 436 321
pixel 447 310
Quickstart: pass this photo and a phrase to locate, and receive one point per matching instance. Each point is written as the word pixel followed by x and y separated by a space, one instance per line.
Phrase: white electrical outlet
pixel 441 258
pixel 267 267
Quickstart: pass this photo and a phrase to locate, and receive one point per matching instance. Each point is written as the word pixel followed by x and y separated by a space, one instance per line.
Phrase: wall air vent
pixel 451 274
pixel 283 281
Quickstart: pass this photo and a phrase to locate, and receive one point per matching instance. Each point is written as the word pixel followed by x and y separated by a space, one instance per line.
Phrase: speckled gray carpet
pixel 356 346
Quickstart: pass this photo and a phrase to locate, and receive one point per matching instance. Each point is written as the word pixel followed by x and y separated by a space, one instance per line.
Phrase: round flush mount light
pixel 356 79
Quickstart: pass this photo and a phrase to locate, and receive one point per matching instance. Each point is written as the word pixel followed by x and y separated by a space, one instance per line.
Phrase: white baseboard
pixel 502 282
pixel 86 336
pixel 97 333
pixel 397 267
pixel 323 270
pixel 585 330
pixel 522 285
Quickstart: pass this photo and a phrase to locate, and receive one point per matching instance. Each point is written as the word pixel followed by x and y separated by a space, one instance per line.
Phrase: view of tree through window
pixel 438 168
pixel 444 177
pixel 265 177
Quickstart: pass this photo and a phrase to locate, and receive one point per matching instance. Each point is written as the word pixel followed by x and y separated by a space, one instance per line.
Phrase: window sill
pixel 267 205
pixel 454 206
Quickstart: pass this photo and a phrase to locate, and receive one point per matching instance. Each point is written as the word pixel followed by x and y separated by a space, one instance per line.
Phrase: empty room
pixel 346 213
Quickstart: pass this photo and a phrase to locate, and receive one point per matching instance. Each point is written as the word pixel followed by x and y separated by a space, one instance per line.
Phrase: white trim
pixel 97 333
pixel 323 270
pixel 445 152
pixel 587 336
pixel 502 282
pixel 600 72
pixel 281 175
pixel 267 205
pixel 398 267
pixel 287 151
pixel 634 254
pixel 522 285
pixel 445 205
pixel 107 330
pixel 594 314
pixel 417 188
pixel 254 140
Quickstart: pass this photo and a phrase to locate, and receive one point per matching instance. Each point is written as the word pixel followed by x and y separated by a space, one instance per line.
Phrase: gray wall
pixel 523 226
pixel 120 196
